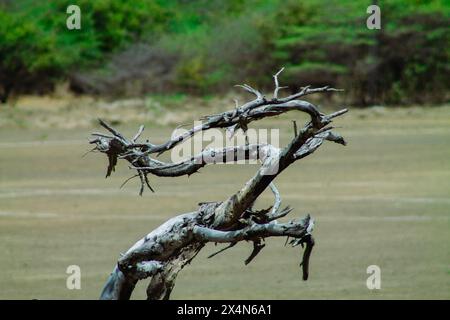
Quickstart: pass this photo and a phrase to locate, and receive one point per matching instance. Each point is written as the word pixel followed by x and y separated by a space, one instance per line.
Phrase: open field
pixel 382 200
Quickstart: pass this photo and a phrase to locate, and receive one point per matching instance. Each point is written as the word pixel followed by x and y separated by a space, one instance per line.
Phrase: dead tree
pixel 162 253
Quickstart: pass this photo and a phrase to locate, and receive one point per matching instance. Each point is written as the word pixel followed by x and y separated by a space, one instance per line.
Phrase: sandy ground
pixel 382 200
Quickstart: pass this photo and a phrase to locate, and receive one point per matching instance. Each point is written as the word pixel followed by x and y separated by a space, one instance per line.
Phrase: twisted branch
pixel 165 251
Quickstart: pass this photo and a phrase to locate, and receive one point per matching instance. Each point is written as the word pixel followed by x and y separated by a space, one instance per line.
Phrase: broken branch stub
pixel 165 251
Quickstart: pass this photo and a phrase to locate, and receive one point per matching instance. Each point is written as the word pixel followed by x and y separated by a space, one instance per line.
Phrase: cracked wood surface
pixel 164 252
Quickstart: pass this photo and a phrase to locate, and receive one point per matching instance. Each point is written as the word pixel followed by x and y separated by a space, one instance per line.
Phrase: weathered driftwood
pixel 166 250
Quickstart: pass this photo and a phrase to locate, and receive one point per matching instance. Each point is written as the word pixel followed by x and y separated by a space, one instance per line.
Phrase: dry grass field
pixel 382 200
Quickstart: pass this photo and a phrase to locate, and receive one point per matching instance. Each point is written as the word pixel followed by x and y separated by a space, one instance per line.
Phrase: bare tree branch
pixel 277 85
pixel 165 251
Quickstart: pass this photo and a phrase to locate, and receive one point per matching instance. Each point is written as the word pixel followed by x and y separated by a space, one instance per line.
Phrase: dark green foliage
pixel 26 56
pixel 37 49
pixel 406 61
pixel 205 46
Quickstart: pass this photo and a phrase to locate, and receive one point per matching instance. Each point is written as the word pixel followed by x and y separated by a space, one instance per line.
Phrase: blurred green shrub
pixel 36 48
pixel 205 46
pixel 326 42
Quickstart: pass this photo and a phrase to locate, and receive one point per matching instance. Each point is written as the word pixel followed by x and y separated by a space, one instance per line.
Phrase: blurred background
pixel 203 47
pixel 383 199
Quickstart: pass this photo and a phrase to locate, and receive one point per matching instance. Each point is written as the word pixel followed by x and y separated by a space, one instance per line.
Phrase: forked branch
pixel 165 251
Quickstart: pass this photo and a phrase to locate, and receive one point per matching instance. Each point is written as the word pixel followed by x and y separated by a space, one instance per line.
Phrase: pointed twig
pixel 286 242
pixel 295 128
pixel 246 87
pixel 89 151
pixel 231 245
pixel 138 134
pixel 128 179
pixel 257 247
pixel 309 240
pixel 148 182
pixel 277 86
pixel 116 133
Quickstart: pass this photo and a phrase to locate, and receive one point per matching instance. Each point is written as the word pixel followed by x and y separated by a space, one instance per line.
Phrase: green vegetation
pixel 155 46
pixel 406 61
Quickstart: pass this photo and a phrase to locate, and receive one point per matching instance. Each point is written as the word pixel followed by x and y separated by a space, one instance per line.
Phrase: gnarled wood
pixel 164 252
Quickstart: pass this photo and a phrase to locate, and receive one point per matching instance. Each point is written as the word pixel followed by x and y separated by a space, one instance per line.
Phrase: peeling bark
pixel 164 252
